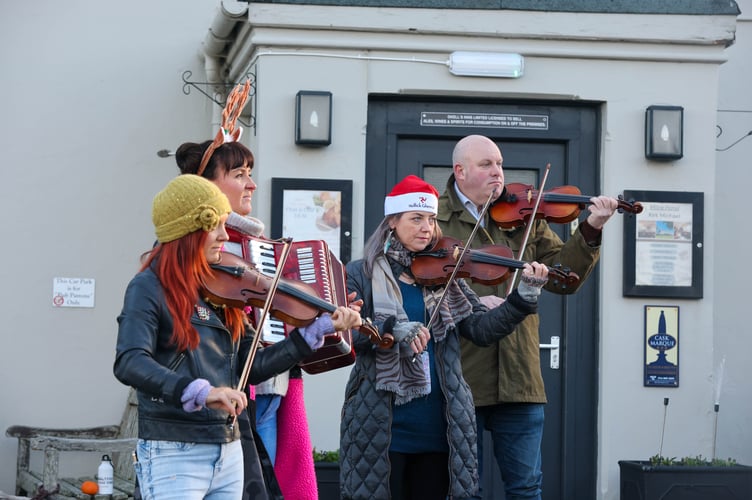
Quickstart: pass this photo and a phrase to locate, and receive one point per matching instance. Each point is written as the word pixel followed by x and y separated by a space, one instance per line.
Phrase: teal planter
pixel 641 481
pixel 327 479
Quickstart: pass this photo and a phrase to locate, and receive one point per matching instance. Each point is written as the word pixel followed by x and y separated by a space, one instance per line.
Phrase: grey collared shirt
pixel 469 205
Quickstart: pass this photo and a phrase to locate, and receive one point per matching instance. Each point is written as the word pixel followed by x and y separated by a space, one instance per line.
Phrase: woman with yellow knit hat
pixel 184 355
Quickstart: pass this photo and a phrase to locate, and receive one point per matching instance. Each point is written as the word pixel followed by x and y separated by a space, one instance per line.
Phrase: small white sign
pixel 73 292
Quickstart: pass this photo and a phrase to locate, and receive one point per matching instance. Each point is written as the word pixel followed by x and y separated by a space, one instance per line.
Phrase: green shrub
pixel 699 460
pixel 325 456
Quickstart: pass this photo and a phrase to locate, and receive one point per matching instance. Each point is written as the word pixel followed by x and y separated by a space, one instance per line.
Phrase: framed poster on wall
pixel 314 209
pixel 663 245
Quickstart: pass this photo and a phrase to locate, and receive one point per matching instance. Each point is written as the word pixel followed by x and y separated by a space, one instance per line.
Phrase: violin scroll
pixel 631 206
pixel 562 277
pixel 372 332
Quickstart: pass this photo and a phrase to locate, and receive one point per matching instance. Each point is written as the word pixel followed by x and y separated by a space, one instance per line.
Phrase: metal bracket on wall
pixel 217 93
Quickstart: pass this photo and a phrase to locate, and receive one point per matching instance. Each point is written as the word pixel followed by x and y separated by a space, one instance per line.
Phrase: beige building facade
pixel 92 92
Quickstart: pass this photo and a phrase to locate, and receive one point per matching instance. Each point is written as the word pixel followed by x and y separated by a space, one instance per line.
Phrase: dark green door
pixel 401 141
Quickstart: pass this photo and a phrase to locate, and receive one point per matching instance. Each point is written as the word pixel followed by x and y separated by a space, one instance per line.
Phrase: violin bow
pixel 529 226
pixel 260 323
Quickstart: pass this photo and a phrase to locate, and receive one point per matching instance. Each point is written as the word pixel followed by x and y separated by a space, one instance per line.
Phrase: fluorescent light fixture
pixel 491 64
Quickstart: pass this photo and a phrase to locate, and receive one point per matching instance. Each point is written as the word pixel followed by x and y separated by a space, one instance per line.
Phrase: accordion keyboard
pixel 310 262
pixel 262 255
pixel 305 263
pixel 309 272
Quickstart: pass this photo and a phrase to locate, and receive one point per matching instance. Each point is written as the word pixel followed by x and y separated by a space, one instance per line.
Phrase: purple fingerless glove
pixel 314 333
pixel 194 395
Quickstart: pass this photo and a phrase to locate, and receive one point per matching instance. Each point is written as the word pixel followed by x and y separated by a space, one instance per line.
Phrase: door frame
pixel 393 118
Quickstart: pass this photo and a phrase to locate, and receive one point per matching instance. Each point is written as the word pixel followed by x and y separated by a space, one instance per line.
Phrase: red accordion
pixel 314 264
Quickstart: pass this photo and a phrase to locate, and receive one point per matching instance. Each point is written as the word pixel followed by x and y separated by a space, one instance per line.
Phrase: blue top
pixel 420 425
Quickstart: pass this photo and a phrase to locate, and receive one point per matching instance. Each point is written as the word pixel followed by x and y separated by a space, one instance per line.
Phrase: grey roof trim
pixel 674 7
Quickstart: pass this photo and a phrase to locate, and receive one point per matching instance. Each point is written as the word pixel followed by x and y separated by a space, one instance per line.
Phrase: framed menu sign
pixel 314 209
pixel 663 245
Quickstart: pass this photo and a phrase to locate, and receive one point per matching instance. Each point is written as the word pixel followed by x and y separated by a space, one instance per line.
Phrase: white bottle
pixel 104 476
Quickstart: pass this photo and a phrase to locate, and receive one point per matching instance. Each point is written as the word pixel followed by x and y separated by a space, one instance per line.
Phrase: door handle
pixel 554 347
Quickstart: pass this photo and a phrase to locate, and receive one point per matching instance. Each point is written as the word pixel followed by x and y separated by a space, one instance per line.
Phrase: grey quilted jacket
pixel 365 431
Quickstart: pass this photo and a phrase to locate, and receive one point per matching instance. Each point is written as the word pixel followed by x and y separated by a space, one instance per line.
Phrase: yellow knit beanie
pixel 188 203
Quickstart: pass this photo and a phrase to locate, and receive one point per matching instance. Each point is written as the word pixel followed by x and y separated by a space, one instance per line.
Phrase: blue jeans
pixel 189 471
pixel 517 434
pixel 266 421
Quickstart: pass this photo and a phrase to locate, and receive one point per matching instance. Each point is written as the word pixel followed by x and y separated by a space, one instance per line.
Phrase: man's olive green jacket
pixel 509 371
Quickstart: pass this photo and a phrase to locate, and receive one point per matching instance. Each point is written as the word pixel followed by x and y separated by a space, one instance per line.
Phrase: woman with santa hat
pixel 408 421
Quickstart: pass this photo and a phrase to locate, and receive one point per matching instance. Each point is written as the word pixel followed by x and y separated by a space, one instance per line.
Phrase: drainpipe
pixel 229 14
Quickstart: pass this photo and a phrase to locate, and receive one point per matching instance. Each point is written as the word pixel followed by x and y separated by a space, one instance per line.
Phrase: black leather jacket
pixel 146 360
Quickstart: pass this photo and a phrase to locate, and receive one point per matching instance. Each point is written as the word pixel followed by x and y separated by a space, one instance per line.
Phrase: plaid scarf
pixel 395 369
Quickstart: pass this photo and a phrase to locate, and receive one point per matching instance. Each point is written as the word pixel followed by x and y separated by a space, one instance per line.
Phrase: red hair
pixel 181 268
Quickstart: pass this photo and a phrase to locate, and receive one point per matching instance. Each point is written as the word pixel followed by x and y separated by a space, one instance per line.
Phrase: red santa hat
pixel 412 193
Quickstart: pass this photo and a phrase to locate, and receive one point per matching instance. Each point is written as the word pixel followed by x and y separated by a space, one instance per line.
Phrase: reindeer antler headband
pixel 228 132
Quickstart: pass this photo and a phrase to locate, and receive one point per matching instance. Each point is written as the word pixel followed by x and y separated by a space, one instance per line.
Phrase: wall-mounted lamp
pixel 313 118
pixel 664 132
pixel 165 153
pixel 486 64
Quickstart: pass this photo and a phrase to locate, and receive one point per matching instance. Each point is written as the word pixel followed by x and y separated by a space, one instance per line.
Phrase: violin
pixel 561 204
pixel 236 284
pixel 489 265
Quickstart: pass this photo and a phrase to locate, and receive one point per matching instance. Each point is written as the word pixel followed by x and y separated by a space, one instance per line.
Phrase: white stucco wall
pixel 731 327
pixel 91 93
pixel 626 77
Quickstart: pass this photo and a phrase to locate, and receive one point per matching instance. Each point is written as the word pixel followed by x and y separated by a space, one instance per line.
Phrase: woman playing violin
pixel 408 429
pixel 278 405
pixel 505 378
pixel 184 355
